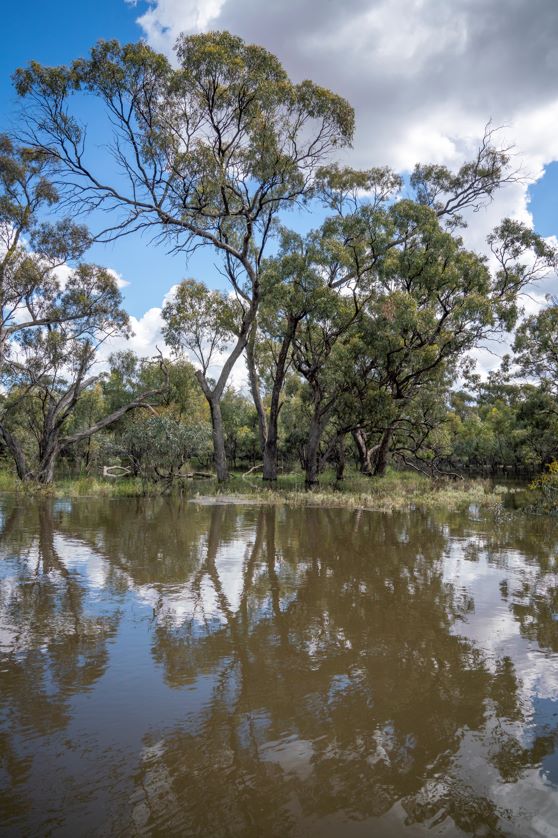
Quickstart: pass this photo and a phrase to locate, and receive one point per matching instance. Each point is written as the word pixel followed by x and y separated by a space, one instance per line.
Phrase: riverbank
pixel 397 490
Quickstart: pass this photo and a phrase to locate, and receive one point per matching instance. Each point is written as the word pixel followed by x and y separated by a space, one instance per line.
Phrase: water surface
pixel 172 668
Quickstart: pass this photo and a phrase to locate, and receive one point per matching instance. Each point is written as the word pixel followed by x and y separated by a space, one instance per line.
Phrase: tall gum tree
pixel 328 261
pixel 424 303
pixel 344 255
pixel 207 153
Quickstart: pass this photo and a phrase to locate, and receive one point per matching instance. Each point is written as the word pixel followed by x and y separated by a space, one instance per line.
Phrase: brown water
pixel 173 668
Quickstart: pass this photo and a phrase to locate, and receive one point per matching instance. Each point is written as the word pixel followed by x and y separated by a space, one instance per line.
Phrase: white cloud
pixel 420 74
pixel 146 338
pixel 163 21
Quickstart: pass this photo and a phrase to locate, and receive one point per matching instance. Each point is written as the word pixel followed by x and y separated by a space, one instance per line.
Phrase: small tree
pixel 47 373
pixel 203 322
pixel 160 446
pixel 53 317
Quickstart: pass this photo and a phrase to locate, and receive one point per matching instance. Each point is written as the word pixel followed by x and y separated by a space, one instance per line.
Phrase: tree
pixel 427 302
pixel 33 251
pixel 53 316
pixel 50 375
pixel 294 285
pixel 307 270
pixel 240 424
pixel 209 153
pixel 345 255
pixel 203 322
pixel 160 446
pixel 536 347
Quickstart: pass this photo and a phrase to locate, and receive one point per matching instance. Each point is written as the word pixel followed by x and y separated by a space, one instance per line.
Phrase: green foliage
pixel 159 447
pixel 240 422
pixel 199 320
pixel 545 490
pixel 212 149
pixel 536 346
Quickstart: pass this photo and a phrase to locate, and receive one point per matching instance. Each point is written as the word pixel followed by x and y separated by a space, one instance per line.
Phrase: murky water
pixel 170 668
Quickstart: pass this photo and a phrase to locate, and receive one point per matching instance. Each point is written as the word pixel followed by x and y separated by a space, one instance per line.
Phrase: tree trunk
pixel 312 453
pixel 364 454
pixel 340 458
pixel 219 453
pixel 254 386
pixel 16 451
pixel 270 450
pixel 382 454
pixel 270 456
pixel 47 462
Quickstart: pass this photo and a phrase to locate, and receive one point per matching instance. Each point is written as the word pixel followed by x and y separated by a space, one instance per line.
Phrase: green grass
pixel 397 490
pixel 77 487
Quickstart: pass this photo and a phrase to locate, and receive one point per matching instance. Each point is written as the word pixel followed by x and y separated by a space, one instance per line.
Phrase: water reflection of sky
pixel 138 705
pixel 545 723
pixel 486 575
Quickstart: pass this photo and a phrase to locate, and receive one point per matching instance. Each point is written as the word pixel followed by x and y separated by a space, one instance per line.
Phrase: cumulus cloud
pixel 159 22
pixel 424 77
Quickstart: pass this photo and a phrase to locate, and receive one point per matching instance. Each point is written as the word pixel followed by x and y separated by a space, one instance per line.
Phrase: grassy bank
pixel 78 487
pixel 397 490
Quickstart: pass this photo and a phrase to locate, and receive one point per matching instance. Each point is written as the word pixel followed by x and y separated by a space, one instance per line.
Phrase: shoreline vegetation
pixel 397 490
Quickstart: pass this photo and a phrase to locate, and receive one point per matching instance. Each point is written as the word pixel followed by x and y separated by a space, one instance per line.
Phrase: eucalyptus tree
pixel 160 446
pixel 204 322
pixel 345 256
pixel 295 287
pixel 407 322
pixel 52 315
pixel 536 347
pixel 436 301
pixel 33 251
pixel 207 153
pixel 50 368
pixel 328 262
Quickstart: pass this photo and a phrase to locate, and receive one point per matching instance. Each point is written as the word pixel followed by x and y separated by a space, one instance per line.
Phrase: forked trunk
pixel 382 454
pixel 364 453
pixel 47 463
pixel 270 453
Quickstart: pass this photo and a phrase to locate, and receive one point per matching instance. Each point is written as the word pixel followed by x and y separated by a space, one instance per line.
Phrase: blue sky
pixel 55 33
pixel 393 70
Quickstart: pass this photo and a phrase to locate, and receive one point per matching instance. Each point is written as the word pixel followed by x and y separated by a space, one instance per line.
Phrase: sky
pixel 424 77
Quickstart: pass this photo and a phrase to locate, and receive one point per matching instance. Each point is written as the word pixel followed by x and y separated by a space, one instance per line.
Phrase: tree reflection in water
pixel 340 686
